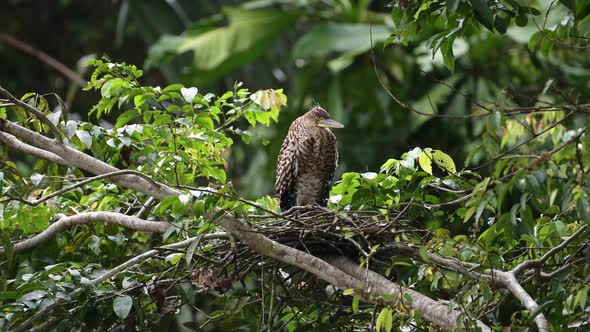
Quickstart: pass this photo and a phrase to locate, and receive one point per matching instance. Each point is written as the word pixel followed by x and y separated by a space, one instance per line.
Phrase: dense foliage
pixel 489 215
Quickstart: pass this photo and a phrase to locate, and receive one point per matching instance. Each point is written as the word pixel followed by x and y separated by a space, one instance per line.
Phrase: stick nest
pixel 321 232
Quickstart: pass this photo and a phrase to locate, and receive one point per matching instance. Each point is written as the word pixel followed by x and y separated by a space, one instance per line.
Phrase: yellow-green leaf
pixel 384 320
pixel 349 291
pixel 269 99
pixel 425 161
pixel 355 305
pixel 444 161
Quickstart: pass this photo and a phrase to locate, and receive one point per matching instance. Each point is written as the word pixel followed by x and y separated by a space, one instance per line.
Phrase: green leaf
pixel 388 321
pixel 521 20
pixel 85 137
pixel 584 26
pixel 355 305
pixel 582 8
pixel 444 161
pixel 535 40
pixel 384 320
pixel 174 258
pixel 33 220
pixel 327 38
pixel 452 5
pixel 8 250
pixel 204 120
pixel 446 48
pixel 546 46
pixel 540 309
pixel 126 117
pixel 348 235
pixel 470 212
pixel 269 99
pixel 390 163
pixel 500 24
pixel 483 13
pixel 581 298
pixel 173 88
pixel 425 161
pixel 424 254
pixel 583 209
pixel 113 86
pixel 349 291
pixel 249 33
pixel 122 306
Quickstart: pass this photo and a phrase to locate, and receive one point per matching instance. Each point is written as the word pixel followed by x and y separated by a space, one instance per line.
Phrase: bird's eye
pixel 317 117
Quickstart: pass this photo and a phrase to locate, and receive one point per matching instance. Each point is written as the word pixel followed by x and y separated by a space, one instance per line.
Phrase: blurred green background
pixel 317 51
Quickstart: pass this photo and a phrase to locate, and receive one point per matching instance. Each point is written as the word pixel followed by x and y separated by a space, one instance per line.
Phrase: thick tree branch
pixel 130 222
pixel 85 162
pixel 334 275
pixel 291 256
pixel 83 182
pixel 504 279
pixel 266 246
pixel 11 141
pixel 429 309
pixel 509 281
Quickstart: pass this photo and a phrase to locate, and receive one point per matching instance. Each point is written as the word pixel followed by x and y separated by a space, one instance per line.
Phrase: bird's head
pixel 318 117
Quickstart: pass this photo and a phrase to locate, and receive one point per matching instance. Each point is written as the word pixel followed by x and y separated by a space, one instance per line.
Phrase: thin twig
pixel 38 114
pixel 45 58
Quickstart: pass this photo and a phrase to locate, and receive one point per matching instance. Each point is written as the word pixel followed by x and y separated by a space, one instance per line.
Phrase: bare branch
pixel 508 280
pixel 145 207
pixel 537 263
pixel 143 257
pixel 497 277
pixel 24 326
pixel 262 244
pixel 585 108
pixel 549 275
pixel 83 161
pixel 86 181
pixel 13 142
pixel 45 58
pixel 325 271
pixel 40 116
pixel 429 309
pixel 85 218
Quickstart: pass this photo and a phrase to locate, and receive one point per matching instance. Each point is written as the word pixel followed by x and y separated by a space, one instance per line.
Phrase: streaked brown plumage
pixel 307 160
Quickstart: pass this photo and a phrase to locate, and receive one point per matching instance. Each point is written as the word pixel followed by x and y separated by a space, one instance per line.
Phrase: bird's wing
pixel 329 169
pixel 287 172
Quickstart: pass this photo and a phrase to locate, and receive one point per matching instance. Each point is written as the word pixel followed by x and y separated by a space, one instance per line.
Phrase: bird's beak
pixel 329 123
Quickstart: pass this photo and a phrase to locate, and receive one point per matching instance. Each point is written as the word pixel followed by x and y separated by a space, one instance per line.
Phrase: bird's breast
pixel 315 167
pixel 308 188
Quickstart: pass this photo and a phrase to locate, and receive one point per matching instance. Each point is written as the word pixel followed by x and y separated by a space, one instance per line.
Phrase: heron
pixel 307 160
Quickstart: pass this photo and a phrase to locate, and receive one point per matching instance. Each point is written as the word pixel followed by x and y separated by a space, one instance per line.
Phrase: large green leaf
pixel 216 51
pixel 246 32
pixel 483 13
pixel 327 38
